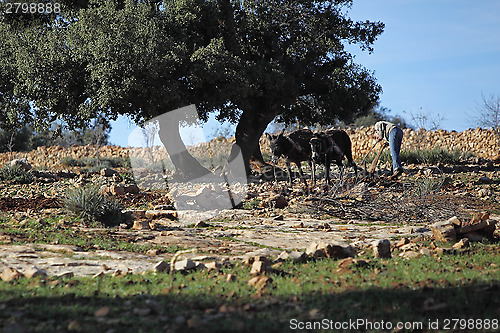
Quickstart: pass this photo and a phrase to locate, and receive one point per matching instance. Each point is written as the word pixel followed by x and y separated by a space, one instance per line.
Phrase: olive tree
pixel 247 61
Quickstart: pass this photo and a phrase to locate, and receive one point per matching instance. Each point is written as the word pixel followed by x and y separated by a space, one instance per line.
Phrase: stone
pixel 75 325
pixel 141 312
pixel 382 248
pixel 275 201
pixel 10 274
pixel 260 281
pixel 446 250
pixel 135 214
pixel 154 252
pixel 444 231
pixel 248 261
pixel 67 274
pixel 161 214
pixel 34 271
pixel 454 220
pixel 184 265
pixel 141 225
pixel 402 242
pixel 117 189
pixel 162 266
pixel 295 256
pixel 410 255
pixel 425 251
pixel 214 265
pixel 107 172
pixel 131 188
pixel 279 202
pixel 463 243
pixel 102 312
pixel 478 222
pixel 259 267
pixel 334 250
pixel 202 224
pixel 22 163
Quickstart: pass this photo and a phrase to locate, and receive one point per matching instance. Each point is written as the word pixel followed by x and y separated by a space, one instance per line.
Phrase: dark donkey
pixel 332 145
pixel 294 147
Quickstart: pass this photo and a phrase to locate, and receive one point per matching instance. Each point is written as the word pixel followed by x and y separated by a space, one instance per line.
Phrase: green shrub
pixel 427 186
pixel 93 162
pixel 71 162
pixel 89 204
pixel 16 174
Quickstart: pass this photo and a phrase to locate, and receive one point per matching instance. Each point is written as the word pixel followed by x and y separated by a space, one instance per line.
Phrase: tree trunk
pixel 183 161
pixel 257 156
pixel 250 128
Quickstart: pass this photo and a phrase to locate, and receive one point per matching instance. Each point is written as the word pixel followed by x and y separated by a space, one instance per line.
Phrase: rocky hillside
pixel 480 142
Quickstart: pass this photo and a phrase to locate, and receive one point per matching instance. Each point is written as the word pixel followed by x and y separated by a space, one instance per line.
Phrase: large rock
pixel 10 274
pixel 34 271
pixel 22 163
pixel 184 265
pixel 445 231
pixel 382 248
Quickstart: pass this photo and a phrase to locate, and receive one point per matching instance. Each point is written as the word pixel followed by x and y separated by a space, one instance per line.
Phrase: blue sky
pixel 435 58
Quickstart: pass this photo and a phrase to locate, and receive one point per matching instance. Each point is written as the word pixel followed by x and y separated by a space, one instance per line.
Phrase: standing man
pixel 394 135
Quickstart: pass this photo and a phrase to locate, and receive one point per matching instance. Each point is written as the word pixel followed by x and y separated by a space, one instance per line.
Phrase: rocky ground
pixel 272 219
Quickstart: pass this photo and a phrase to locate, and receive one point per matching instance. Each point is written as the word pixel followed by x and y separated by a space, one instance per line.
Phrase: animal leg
pixel 327 172
pixel 341 171
pixel 289 172
pixel 313 171
pixel 301 174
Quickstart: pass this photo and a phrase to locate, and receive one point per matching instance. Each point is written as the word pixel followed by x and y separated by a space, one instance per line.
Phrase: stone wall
pixel 480 142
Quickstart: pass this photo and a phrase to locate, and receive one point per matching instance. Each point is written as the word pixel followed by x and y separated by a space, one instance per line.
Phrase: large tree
pixel 246 60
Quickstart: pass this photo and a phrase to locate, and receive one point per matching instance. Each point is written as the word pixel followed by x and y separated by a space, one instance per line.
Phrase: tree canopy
pixel 247 61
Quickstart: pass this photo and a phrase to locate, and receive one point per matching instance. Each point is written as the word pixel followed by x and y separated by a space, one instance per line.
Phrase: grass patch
pixel 431 156
pixel 417 291
pixel 53 231
pixel 16 174
pixel 252 204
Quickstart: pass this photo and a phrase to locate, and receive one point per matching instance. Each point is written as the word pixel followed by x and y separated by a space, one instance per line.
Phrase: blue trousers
pixel 395 139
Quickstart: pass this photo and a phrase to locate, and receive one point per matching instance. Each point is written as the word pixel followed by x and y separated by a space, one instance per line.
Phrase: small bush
pixel 89 204
pixel 92 162
pixel 16 174
pixel 428 186
pixel 71 162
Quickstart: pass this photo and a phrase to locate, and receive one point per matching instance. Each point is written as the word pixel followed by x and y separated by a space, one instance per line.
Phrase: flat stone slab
pixel 234 235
